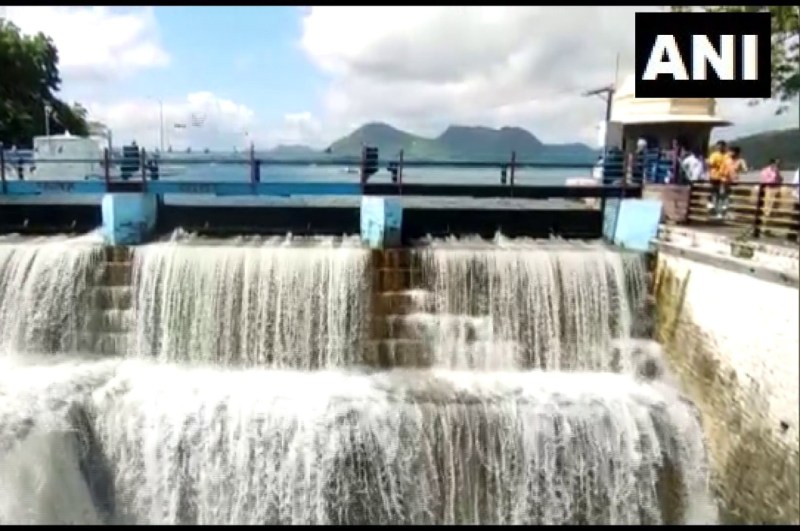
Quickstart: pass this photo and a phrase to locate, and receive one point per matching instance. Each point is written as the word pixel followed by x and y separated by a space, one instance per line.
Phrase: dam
pixel 269 380
pixel 271 377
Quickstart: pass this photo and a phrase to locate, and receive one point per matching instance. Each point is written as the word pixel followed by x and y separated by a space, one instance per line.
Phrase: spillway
pixel 284 381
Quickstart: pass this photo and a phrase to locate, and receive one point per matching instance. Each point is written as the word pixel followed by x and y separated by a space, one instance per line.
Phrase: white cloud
pixel 422 68
pixel 95 43
pixel 297 128
pixel 210 121
pixel 419 68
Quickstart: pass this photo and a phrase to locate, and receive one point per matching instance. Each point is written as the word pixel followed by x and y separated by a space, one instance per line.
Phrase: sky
pixel 309 75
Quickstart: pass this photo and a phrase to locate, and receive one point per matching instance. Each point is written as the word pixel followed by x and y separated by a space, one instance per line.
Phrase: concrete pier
pixel 129 218
pixel 381 222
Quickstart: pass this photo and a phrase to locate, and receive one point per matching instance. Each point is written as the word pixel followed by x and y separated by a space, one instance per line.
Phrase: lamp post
pixel 608 91
pixel 48 110
pixel 160 123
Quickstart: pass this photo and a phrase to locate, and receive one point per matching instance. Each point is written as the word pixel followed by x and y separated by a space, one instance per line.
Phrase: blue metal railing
pixel 649 166
pixel 132 174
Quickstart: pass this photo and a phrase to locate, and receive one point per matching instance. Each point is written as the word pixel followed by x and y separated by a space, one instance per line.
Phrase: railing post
pixel 757 221
pixel 513 170
pixel 692 186
pixel 362 174
pixel 3 167
pixel 143 164
pixel 400 174
pixel 253 177
pixel 106 166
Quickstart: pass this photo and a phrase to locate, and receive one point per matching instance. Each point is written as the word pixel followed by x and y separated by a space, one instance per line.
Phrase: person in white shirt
pixel 692 167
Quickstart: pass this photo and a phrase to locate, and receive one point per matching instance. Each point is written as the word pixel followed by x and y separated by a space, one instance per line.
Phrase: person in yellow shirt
pixel 716 168
pixel 732 165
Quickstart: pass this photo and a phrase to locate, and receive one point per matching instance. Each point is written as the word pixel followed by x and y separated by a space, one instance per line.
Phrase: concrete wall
pixel 732 340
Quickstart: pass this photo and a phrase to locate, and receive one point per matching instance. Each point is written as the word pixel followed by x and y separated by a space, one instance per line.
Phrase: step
pixel 395 259
pixel 391 353
pixel 111 297
pixel 409 353
pixel 396 279
pixel 402 302
pixel 114 274
pixel 107 343
pixel 433 327
pixel 118 253
pixel 111 320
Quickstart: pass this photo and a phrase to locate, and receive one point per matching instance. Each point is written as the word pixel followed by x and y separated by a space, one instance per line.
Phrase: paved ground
pixel 727 231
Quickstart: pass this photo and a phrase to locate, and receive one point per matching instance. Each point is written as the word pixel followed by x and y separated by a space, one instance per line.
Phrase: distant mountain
pixel 759 148
pixel 460 143
pixel 292 152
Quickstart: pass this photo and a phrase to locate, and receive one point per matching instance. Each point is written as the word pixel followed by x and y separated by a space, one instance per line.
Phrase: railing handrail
pixel 344 161
pixel 763 208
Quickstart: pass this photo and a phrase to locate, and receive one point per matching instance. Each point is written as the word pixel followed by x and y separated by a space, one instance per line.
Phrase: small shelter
pixel 661 120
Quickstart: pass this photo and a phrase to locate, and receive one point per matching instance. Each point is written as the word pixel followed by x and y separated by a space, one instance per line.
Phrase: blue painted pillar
pixel 381 222
pixel 129 218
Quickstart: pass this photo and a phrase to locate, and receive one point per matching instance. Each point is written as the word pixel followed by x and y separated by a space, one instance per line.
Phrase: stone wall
pixel 732 340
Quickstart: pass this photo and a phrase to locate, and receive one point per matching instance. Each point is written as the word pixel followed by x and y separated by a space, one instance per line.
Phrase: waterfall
pixel 517 304
pixel 267 302
pixel 44 287
pixel 235 382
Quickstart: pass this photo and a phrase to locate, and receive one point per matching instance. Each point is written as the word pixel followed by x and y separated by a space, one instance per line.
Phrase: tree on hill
pixel 782 144
pixel 785 46
pixel 29 83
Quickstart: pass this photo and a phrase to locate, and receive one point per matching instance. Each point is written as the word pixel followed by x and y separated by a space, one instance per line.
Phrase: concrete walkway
pixel 773 260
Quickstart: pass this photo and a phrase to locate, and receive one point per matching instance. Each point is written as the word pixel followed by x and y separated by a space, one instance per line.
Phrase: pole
pixel 3 167
pixel 161 130
pixel 160 122
pixel 513 168
pixel 47 111
pixel 400 173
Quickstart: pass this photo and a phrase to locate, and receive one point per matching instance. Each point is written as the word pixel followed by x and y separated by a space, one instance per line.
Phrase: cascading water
pixel 291 430
pixel 44 285
pixel 265 302
pixel 527 304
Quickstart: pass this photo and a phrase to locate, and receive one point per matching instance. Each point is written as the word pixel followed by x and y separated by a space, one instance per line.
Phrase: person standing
pixel 733 164
pixel 692 167
pixel 716 168
pixel 771 178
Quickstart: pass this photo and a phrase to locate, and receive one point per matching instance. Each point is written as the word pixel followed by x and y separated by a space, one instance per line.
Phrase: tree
pixel 29 82
pixel 785 46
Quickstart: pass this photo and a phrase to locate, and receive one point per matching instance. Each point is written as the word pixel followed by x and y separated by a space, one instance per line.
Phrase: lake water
pixel 282 173
pixel 414 175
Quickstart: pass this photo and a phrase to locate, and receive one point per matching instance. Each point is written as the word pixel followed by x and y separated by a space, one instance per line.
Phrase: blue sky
pixel 292 75
pixel 246 54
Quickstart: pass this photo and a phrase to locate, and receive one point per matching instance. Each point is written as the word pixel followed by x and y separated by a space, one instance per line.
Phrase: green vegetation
pixel 783 144
pixel 29 80
pixel 459 143
pixel 785 45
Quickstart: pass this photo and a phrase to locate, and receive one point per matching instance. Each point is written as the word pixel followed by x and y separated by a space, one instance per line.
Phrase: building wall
pixel 732 340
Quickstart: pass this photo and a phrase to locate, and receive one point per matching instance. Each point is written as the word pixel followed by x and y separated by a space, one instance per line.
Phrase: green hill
pixel 292 151
pixel 783 144
pixel 459 143
pixel 463 143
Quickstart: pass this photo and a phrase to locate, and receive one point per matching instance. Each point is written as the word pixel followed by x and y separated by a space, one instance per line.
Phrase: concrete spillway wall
pixel 732 340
